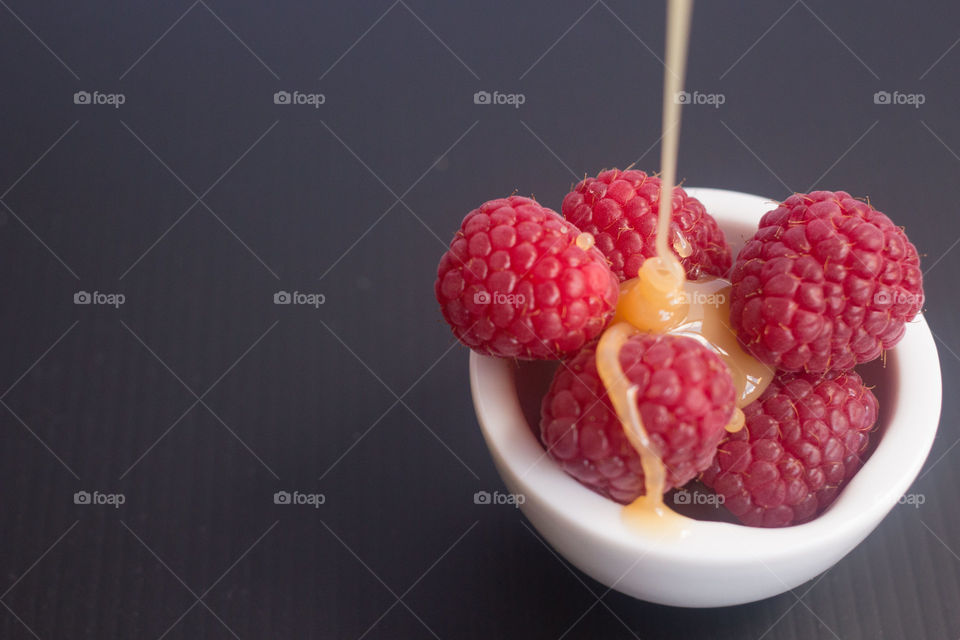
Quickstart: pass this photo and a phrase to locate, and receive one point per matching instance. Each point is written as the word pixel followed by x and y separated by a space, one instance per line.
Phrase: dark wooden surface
pixel 362 399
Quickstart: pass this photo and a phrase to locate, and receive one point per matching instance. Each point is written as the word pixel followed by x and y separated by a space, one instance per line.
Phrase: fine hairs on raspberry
pixel 803 440
pixel 620 209
pixel 827 282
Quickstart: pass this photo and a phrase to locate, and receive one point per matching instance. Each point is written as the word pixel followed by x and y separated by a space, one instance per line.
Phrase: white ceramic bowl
pixel 716 563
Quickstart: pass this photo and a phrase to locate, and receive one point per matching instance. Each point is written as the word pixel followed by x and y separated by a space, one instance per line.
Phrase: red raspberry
pixel 826 283
pixel 620 209
pixel 514 283
pixel 802 441
pixel 685 397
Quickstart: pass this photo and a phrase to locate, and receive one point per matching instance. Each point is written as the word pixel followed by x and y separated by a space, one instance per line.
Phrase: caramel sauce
pixel 585 241
pixel 655 301
pixel 681 245
pixel 661 300
pixel 648 512
pixel 708 322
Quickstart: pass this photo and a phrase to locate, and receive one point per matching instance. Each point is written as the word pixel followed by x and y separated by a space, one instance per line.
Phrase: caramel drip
pixel 678 34
pixel 656 302
pixel 623 396
pixel 648 512
pixel 737 422
pixel 585 241
pixel 681 245
pixel 708 321
pixel 661 300
pixel 703 314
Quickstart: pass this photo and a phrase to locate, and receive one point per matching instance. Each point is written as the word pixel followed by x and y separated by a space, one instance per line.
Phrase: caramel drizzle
pixel 658 301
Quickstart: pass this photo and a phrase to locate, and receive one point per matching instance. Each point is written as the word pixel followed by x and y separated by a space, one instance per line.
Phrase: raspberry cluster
pixel 826 283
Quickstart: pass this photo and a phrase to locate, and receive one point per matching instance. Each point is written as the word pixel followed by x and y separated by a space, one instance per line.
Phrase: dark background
pixel 199 398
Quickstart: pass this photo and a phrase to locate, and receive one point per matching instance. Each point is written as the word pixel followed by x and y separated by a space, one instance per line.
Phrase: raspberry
pixel 826 283
pixel 685 397
pixel 620 209
pixel 802 441
pixel 516 283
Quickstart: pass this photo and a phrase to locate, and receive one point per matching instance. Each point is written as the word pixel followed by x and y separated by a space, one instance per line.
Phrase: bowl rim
pixel 911 424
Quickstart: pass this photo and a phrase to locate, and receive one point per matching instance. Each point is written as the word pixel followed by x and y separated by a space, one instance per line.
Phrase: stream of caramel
pixel 661 300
